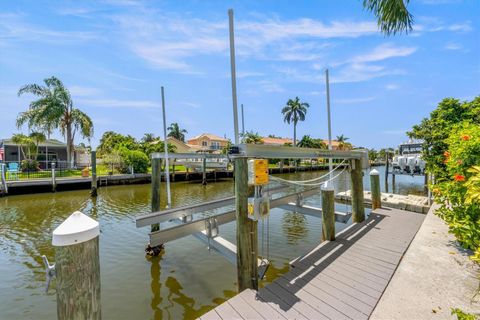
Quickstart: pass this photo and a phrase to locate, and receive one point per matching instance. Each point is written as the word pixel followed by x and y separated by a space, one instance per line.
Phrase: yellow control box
pixel 258 172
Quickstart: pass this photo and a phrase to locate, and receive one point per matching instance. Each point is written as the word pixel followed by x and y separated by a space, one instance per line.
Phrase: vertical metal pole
pixel 234 78
pixel 54 178
pixel 165 147
pixel 46 157
pixel 327 84
pixel 77 268
pixel 247 234
pixel 156 182
pixel 386 171
pixel 243 121
pixel 93 191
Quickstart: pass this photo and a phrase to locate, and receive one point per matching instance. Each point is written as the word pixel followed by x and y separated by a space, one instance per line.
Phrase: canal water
pixel 185 282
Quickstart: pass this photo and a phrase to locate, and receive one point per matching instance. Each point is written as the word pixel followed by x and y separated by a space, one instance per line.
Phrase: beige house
pixel 208 142
pixel 182 147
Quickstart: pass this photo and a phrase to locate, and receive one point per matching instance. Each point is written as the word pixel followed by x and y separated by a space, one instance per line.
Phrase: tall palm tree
pixel 294 111
pixel 392 15
pixel 343 144
pixel 54 110
pixel 341 138
pixel 176 132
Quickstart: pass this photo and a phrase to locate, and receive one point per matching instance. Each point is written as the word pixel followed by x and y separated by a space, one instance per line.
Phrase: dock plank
pixel 341 279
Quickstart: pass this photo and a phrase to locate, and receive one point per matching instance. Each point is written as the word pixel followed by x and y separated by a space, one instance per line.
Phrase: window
pixel 215 145
pixel 204 143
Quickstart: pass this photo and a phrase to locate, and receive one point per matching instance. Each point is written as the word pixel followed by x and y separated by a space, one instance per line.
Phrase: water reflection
pixel 294 227
pixel 156 286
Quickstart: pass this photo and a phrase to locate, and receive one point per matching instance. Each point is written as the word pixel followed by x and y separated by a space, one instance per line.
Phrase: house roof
pixel 47 143
pixel 209 136
pixel 335 143
pixel 276 141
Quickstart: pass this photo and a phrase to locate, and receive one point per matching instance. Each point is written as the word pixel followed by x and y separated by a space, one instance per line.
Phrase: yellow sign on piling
pixel 258 172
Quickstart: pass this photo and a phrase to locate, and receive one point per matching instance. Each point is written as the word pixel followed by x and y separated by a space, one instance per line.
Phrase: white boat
pixel 197 164
pixel 408 160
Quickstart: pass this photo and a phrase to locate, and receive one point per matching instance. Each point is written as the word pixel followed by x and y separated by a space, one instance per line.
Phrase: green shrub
pixel 457 191
pixel 29 165
pixel 136 159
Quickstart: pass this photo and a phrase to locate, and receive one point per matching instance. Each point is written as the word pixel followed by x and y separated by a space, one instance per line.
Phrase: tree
pixel 251 137
pixel 54 110
pixel 392 15
pixel 435 130
pixel 308 142
pixel 176 132
pixel 294 111
pixel 341 138
pixel 113 141
pixel 149 137
pixel 372 154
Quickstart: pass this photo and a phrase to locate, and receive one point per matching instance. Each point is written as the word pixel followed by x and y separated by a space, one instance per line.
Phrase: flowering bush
pixel 458 190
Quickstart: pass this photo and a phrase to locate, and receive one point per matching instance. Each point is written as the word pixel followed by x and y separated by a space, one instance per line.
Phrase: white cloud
pixel 453 46
pixel 13 27
pixel 117 103
pixel 392 86
pixel 247 74
pixel 81 91
pixel 383 52
pixel 191 104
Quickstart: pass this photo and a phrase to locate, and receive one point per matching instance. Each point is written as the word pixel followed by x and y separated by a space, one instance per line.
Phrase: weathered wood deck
pixel 341 279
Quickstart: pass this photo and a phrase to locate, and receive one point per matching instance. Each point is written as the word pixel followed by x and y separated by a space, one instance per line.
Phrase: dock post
pixel 93 191
pixel 356 178
pixel 204 171
pixel 4 178
pixel 54 178
pixel 386 171
pixel 375 189
pixel 247 246
pixel 328 213
pixel 77 268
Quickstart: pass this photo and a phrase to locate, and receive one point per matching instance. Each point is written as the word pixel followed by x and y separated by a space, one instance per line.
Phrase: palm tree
pixel 176 132
pixel 294 111
pixel 149 137
pixel 29 144
pixel 392 15
pixel 251 137
pixel 341 138
pixel 54 110
pixel 309 142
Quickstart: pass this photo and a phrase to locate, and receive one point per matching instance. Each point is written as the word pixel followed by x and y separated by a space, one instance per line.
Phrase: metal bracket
pixel 299 201
pixel 211 226
pixel 49 272
pixel 187 218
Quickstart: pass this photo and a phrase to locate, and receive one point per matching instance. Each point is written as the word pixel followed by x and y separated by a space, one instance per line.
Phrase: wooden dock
pixel 341 279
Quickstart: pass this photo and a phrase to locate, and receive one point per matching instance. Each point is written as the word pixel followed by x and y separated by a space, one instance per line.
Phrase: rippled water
pixel 185 282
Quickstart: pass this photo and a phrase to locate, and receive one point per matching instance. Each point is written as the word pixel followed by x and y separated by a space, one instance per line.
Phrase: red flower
pixel 465 137
pixel 459 177
pixel 459 161
pixel 446 154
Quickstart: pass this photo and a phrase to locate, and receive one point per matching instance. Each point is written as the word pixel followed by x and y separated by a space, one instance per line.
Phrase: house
pixel 49 151
pixel 277 141
pixel 335 144
pixel 208 142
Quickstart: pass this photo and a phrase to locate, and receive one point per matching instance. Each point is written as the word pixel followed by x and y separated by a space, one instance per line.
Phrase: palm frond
pixel 392 15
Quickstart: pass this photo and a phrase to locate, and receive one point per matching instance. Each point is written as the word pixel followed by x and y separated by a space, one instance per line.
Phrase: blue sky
pixel 114 55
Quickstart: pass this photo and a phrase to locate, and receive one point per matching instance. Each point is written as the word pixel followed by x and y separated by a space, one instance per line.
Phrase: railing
pixel 13 171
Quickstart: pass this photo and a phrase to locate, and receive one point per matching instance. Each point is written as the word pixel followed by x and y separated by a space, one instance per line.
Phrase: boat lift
pixel 188 221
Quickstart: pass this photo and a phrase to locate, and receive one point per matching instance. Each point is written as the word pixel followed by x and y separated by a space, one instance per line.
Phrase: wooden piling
pixel 93 191
pixel 375 189
pixel 328 213
pixel 4 178
pixel 356 178
pixel 54 178
pixel 386 171
pixel 204 171
pixel 247 246
pixel 156 182
pixel 77 268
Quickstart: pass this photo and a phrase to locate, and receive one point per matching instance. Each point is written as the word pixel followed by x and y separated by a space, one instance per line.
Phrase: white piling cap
pixel 374 172
pixel 327 186
pixel 75 229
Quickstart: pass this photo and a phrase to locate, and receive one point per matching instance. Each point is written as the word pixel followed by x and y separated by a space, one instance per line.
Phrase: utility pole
pixel 234 81
pixel 243 121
